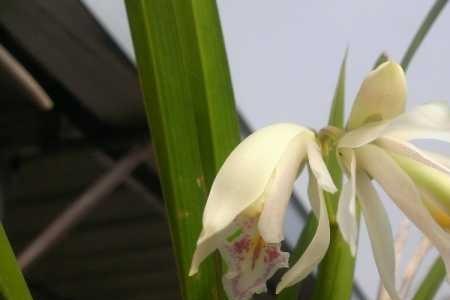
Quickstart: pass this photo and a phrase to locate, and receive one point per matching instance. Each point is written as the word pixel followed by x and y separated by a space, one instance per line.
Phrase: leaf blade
pixel 191 114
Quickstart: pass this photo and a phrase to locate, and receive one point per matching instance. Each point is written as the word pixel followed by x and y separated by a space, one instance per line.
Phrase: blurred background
pixel 80 202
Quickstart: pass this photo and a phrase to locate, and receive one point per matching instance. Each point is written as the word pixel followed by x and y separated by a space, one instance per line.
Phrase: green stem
pixel 335 276
pixel 432 281
pixel 189 103
pixel 423 31
pixel 12 283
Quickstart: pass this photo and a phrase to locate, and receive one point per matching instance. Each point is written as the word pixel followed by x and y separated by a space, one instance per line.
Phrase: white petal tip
pixel 353 251
pixel 193 271
pixel 280 288
pixel 330 188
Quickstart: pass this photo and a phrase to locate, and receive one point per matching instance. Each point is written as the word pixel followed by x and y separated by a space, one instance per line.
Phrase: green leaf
pixel 423 31
pixel 337 107
pixel 336 119
pixel 189 103
pixel 12 283
pixel 432 281
pixel 381 59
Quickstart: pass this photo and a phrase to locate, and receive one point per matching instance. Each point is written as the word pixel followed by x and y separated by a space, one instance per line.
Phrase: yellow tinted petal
pixel 382 96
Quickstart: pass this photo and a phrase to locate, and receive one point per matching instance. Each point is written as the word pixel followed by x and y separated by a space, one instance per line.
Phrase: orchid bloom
pixel 377 146
pixel 244 213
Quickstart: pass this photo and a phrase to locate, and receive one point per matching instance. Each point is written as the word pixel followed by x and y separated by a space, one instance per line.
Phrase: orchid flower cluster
pixel 244 213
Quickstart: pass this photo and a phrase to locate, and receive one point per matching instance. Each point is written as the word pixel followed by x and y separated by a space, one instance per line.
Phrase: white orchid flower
pixel 377 146
pixel 244 213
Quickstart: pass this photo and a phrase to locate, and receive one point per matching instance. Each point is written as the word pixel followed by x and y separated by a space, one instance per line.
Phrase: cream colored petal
pixel 319 168
pixel 439 157
pixel 203 250
pixel 434 181
pixel 440 214
pixel 346 212
pixel 380 232
pixel 242 180
pixel 398 185
pixel 428 121
pixel 363 135
pixel 278 192
pixel 410 150
pixel 318 246
pixel 382 96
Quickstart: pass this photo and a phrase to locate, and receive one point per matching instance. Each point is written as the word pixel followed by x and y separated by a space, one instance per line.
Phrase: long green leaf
pixel 189 102
pixel 336 117
pixel 423 31
pixel 432 281
pixel 12 283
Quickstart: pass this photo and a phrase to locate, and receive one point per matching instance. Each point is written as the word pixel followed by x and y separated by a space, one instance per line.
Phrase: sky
pixel 285 56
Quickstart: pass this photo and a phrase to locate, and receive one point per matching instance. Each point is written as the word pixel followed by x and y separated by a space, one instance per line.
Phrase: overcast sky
pixel 285 56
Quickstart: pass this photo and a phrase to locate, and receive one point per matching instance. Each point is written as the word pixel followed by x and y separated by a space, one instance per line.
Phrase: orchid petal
pixel 440 215
pixel 319 168
pixel 382 96
pixel 380 232
pixel 317 249
pixel 399 186
pixel 438 157
pixel 363 135
pixel 428 178
pixel 411 151
pixel 346 212
pixel 428 121
pixel 242 181
pixel 278 192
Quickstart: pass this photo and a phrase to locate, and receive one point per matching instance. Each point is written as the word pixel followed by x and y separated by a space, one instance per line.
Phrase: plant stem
pixel 432 281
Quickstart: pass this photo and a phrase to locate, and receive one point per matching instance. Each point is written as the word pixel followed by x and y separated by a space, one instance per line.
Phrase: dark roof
pixel 121 249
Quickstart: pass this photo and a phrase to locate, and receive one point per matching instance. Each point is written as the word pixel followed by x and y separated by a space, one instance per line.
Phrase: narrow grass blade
pixel 381 59
pixel 432 281
pixel 189 102
pixel 336 117
pixel 423 31
pixel 12 283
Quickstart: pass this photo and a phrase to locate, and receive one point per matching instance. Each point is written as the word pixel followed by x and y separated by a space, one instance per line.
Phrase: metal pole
pixel 135 185
pixel 82 205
